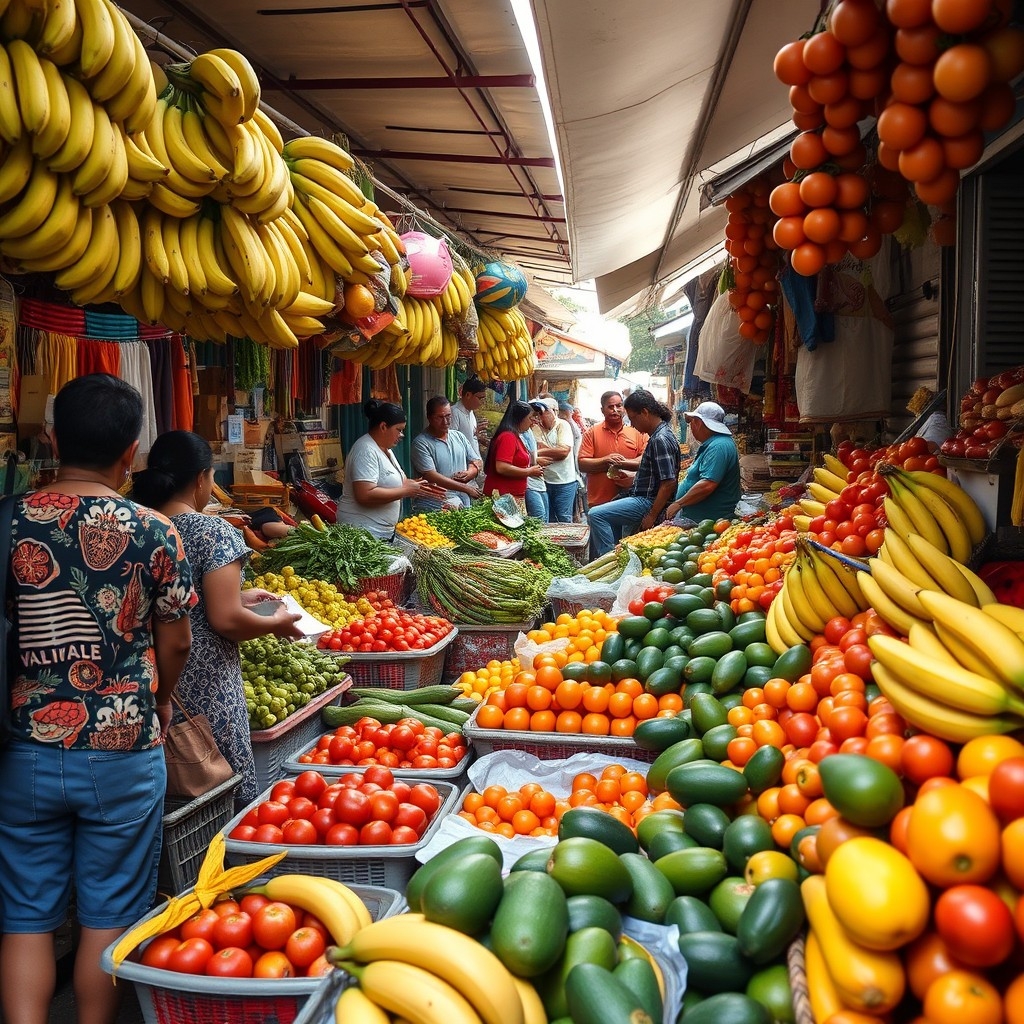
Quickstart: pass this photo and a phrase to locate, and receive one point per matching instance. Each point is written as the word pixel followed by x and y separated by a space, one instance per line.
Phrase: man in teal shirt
pixel 711 487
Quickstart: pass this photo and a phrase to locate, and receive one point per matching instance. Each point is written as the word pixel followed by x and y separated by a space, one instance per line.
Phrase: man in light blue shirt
pixel 711 487
pixel 446 458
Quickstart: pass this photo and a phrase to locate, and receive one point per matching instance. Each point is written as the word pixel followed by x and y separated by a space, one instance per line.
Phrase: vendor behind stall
pixel 445 457
pixel 711 487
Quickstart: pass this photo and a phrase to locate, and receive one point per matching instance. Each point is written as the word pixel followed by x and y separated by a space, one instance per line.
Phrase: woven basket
pixel 798 981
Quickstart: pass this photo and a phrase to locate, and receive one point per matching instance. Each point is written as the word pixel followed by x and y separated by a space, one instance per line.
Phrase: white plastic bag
pixel 724 356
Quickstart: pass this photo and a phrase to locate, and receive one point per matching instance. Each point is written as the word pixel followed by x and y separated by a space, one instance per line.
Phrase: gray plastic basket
pixel 390 866
pixel 166 997
pixel 293 766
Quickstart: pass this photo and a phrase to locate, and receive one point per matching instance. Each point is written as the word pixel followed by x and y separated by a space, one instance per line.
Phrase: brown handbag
pixel 195 764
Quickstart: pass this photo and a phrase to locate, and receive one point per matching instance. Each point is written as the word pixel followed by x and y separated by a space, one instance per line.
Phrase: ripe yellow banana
pixel 245 74
pixel 828 479
pixel 811 507
pixel 925 640
pixel 110 187
pixel 135 104
pixel 93 262
pixel 1009 615
pixel 220 83
pixel 958 539
pixel 152 293
pixel 53 233
pixel 68 254
pixel 827 576
pixel 11 128
pixel 188 240
pixel 153 252
pixel 246 256
pixel 129 233
pixel 100 160
pixel 355 1007
pixel 806 613
pixel 68 54
pixel 58 124
pixel 414 993
pixel 965 506
pixel 98 36
pixel 99 289
pixel 898 588
pixel 197 141
pixel 178 275
pixel 322 243
pixel 58 27
pixel 924 523
pixel 16 168
pixel 78 143
pixel 989 638
pixel 183 159
pixel 983 594
pixel 833 465
pixel 533 1005
pixel 964 653
pixel 338 190
pixel 942 569
pixel 819 492
pixel 896 551
pixel 214 263
pixel 30 83
pixel 897 518
pixel 142 165
pixel 792 616
pixel 118 71
pixel 927 714
pixel 316 148
pixel 788 634
pixel 459 960
pixel 32 205
pixel 899 618
pixel 952 685
pixel 172 203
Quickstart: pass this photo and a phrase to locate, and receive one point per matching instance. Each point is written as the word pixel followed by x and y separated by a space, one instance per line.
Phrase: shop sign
pixel 557 352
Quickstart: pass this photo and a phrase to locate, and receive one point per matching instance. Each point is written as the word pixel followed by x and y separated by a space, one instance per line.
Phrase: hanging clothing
pixel 183 370
pixel 56 359
pixel 135 371
pixel 161 366
pixel 99 357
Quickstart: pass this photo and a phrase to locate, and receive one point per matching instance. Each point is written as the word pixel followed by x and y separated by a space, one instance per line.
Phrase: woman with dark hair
pixel 100 592
pixel 177 483
pixel 654 485
pixel 508 465
pixel 375 483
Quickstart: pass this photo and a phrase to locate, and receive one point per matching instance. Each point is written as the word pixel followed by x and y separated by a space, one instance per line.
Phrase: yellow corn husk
pixel 1017 507
pixel 212 883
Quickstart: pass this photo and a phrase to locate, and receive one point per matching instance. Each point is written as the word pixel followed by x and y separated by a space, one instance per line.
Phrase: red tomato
pixel 312 921
pixel 339 749
pixel 272 924
pixel 857 659
pixel 320 966
pixel 230 962
pixel 975 924
pixel 384 806
pixel 190 956
pixel 225 908
pixel 401 789
pixel 310 784
pixel 328 795
pixel 301 807
pixel 246 833
pixel 268 834
pixel 304 945
pixel 252 901
pixel 299 832
pixel 233 930
pixel 375 833
pixel 273 965
pixel 836 628
pixel 284 788
pixel 403 738
pixel 411 816
pixel 380 775
pixel 157 952
pixel 273 812
pixel 323 820
pixel 1006 788
pixel 200 925
pixel 352 807
pixel 402 835
pixel 342 834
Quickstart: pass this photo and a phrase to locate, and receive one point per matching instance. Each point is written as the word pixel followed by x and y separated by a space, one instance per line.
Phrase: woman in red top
pixel 508 460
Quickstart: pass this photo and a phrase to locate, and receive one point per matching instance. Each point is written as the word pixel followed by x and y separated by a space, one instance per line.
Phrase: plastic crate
pixel 189 825
pixel 169 998
pixel 319 1008
pixel 454 774
pixel 396 585
pixel 401 670
pixel 477 645
pixel 271 746
pixel 552 746
pixel 390 866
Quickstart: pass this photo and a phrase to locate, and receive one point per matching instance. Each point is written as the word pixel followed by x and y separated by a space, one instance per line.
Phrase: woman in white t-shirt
pixel 375 483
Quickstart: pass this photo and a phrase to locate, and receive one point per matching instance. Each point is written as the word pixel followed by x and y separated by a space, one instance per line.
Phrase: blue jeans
pixel 608 522
pixel 537 504
pixel 560 501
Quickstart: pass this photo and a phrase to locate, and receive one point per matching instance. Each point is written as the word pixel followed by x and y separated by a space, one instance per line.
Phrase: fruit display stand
pixel 271 746
pixel 400 670
pixel 477 645
pixel 550 746
pixel 390 866
pixel 168 997
pixel 188 827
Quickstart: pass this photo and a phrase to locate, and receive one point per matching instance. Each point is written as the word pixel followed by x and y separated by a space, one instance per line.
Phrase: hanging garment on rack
pixel 161 366
pixel 99 357
pixel 184 371
pixel 56 358
pixel 135 371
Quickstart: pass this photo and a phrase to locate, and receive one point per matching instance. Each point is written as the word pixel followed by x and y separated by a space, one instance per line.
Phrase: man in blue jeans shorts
pixel 642 505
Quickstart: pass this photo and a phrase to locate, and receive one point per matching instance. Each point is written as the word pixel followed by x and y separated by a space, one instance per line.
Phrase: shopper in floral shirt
pixel 100 593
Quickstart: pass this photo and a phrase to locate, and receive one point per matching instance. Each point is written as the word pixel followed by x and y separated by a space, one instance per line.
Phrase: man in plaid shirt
pixel 654 485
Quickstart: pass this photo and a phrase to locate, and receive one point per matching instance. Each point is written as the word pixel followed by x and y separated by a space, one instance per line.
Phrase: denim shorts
pixel 91 817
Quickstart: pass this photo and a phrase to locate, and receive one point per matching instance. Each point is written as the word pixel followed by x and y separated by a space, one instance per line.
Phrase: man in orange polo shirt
pixel 609 444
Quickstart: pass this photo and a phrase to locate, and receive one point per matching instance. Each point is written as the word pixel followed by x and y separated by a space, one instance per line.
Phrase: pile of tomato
pixel 754 559
pixel 369 808
pixel 390 629
pixel 248 937
pixel 407 743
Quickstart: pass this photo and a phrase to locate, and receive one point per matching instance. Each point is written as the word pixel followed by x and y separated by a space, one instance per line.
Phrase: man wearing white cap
pixel 711 487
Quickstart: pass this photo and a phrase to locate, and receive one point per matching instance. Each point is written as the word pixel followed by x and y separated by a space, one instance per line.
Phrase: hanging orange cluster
pixel 934 72
pixel 754 259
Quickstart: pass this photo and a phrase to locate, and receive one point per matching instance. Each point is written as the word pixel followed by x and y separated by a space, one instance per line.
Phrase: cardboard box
pixel 287 443
pixel 213 381
pixel 211 415
pixel 35 404
pixel 249 466
pixel 254 433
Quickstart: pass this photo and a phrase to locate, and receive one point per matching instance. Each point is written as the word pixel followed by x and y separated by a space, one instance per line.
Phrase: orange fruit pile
pixel 533 811
pixel 542 700
pixel 585 632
